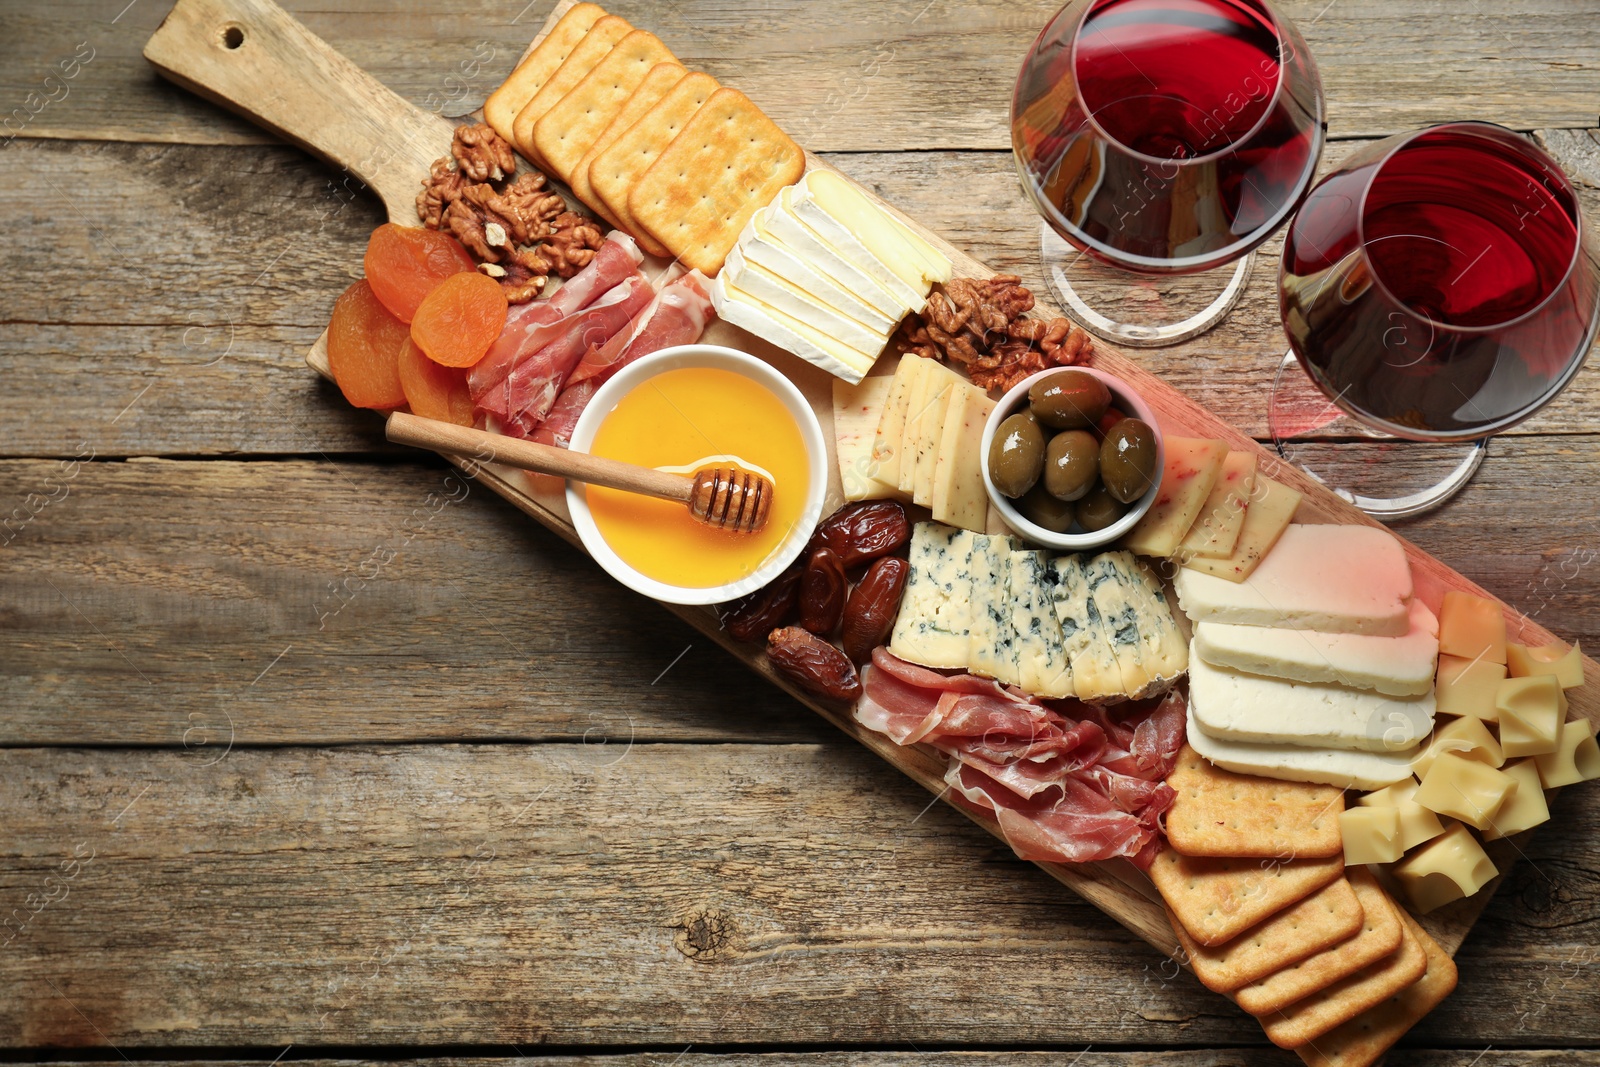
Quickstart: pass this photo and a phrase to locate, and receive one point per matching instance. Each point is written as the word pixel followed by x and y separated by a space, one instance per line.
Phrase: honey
pixel 680 421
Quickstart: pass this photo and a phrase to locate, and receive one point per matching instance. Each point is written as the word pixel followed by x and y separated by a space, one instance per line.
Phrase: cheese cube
pixel 1215 532
pixel 959 496
pixel 1042 667
pixel 1465 789
pixel 1576 759
pixel 1566 665
pixel 934 624
pixel 1272 507
pixel 1469 686
pixel 1340 579
pixel 1417 823
pixel 1526 808
pixel 1448 868
pixel 1530 715
pixel 1467 738
pixel 857 410
pixel 1293 763
pixel 1371 835
pixel 992 648
pixel 1191 469
pixel 1470 627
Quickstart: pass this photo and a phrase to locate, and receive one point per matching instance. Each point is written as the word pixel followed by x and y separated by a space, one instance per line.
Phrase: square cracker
pixel 565 132
pixel 727 163
pixel 1362 1040
pixel 661 77
pixel 500 110
pixel 1308 1019
pixel 1380 935
pixel 1220 813
pixel 584 57
pixel 1218 898
pixel 614 172
pixel 1325 918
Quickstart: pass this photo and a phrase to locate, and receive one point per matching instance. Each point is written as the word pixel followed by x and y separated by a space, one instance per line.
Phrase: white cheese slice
pixel 875 307
pixel 933 627
pixel 801 241
pixel 1095 674
pixel 959 496
pixel 857 410
pixel 992 651
pixel 1234 706
pixel 770 324
pixel 917 261
pixel 1291 763
pixel 1399 666
pixel 836 238
pixel 1041 664
pixel 786 296
pixel 1341 579
pixel 930 435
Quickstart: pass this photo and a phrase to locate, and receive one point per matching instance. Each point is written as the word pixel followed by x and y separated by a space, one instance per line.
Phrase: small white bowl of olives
pixel 1072 458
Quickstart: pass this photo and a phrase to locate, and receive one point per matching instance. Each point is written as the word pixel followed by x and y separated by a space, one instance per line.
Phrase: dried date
pixel 813 664
pixel 763 611
pixel 864 531
pixel 869 613
pixel 822 592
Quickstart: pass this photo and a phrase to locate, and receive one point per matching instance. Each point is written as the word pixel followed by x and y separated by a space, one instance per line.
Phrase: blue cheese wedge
pixel 1119 620
pixel 933 627
pixel 992 648
pixel 1042 667
pixel 1163 648
pixel 1292 763
pixel 1095 674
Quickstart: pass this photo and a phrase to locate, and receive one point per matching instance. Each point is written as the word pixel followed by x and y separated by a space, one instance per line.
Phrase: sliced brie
pixel 796 237
pixel 835 237
pixel 914 259
pixel 814 347
pixel 789 298
pixel 873 307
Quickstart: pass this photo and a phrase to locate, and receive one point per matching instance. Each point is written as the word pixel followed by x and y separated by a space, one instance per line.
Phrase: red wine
pixel 1167 136
pixel 1436 286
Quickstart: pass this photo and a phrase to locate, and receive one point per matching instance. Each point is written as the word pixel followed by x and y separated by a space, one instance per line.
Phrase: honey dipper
pixel 724 497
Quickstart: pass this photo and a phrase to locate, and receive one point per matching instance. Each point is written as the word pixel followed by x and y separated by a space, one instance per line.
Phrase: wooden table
pixel 307 752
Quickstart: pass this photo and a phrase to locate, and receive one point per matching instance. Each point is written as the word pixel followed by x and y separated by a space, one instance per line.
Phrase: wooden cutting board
pixel 253 58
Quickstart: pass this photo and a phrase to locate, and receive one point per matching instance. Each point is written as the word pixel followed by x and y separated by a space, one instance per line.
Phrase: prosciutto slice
pixel 1066 782
pixel 531 326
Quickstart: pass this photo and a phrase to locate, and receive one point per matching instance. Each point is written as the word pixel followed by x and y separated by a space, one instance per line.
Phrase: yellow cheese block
pixel 1566 665
pixel 1216 532
pixel 1465 789
pixel 1450 867
pixel 1467 738
pixel 1370 834
pixel 1576 759
pixel 1530 715
pixel 1472 627
pixel 930 434
pixel 1526 808
pixel 1271 509
pixel 959 496
pixel 1191 470
pixel 857 410
pixel 1468 687
pixel 892 423
pixel 1417 823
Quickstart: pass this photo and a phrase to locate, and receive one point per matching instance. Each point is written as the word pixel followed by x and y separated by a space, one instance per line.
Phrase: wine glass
pixel 1163 137
pixel 1440 287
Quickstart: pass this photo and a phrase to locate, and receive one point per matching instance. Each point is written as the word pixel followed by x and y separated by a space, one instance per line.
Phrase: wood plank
pixel 1090 1057
pixel 202 572
pixel 258 284
pixel 839 75
pixel 726 894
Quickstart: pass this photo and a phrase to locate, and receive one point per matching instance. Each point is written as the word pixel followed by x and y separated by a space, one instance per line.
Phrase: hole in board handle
pixel 232 37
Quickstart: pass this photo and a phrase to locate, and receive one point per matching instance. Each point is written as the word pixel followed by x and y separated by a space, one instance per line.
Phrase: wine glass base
pixel 1146 311
pixel 1377 472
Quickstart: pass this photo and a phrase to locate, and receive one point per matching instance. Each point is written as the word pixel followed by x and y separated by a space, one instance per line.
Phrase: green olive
pixel 1069 400
pixel 1042 509
pixel 1128 460
pixel 1098 510
pixel 1071 464
pixel 1016 455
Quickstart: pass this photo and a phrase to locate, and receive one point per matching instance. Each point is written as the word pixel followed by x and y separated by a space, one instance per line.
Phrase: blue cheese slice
pixel 1163 649
pixel 933 627
pixel 1095 674
pixel 1120 622
pixel 992 650
pixel 1042 667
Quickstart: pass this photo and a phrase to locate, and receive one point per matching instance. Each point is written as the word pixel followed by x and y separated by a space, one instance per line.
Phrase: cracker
pixel 614 171
pixel 1308 1019
pixel 584 57
pixel 1216 899
pixel 661 77
pixel 1220 813
pixel 565 132
pixel 727 163
pixel 1362 1040
pixel 1379 937
pixel 1325 918
pixel 500 110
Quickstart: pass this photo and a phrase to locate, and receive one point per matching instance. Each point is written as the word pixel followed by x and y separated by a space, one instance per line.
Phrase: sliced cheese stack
pixel 1095 628
pixel 827 274
pixel 1319 666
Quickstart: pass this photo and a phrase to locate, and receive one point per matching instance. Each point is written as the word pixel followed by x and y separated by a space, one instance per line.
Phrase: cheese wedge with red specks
pixel 1272 508
pixel 857 410
pixel 1191 470
pixel 1216 532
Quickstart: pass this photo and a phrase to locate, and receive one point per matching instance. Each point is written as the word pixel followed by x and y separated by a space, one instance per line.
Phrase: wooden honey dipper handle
pixel 724 497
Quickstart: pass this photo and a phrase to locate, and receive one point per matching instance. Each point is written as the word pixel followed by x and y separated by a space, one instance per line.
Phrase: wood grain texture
pixel 1089 1057
pixel 839 75
pixel 728 894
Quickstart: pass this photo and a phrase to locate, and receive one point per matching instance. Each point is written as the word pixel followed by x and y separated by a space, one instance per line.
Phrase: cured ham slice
pixel 531 389
pixel 531 326
pixel 1067 782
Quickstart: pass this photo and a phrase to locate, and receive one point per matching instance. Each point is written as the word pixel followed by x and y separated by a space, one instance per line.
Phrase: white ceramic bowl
pixel 1123 399
pixel 718 358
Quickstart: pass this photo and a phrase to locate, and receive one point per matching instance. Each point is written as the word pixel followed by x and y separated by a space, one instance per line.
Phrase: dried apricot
pixel 404 263
pixel 457 322
pixel 364 342
pixel 432 390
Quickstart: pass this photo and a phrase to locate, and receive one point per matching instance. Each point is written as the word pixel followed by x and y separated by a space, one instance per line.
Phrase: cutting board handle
pixel 253 58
